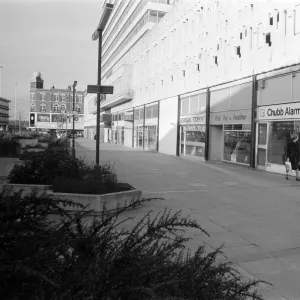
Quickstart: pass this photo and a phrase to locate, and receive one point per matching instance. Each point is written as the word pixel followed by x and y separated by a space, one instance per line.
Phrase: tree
pixel 49 253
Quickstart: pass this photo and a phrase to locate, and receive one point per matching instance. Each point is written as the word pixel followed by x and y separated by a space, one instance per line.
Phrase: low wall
pixel 95 202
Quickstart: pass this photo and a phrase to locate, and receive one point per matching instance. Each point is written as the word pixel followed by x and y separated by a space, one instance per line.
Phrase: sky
pixel 48 36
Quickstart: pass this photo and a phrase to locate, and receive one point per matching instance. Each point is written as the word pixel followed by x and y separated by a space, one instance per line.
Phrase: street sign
pixel 103 89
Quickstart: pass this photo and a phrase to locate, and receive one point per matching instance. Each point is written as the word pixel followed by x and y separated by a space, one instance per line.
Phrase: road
pixel 256 215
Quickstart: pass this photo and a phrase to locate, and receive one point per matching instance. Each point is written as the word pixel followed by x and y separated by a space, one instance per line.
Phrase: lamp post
pixel 73 136
pixel 16 106
pixel 98 35
pixel 1 67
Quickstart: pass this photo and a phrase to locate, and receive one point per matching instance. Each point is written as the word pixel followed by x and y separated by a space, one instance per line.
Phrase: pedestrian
pixel 293 154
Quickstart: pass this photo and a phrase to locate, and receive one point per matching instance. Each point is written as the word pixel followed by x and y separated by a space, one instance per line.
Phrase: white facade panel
pixel 168 123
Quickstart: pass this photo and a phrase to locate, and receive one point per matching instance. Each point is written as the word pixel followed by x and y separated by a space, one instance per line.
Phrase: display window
pixel 192 140
pixel 237 146
pixel 272 139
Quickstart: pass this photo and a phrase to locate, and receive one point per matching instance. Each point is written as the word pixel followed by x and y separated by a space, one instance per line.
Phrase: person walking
pixel 293 154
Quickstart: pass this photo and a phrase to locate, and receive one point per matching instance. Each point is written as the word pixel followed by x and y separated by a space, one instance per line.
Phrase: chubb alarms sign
pixel 284 111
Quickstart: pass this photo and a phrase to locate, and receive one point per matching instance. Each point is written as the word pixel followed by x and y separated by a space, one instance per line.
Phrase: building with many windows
pixel 4 113
pixel 214 80
pixel 52 109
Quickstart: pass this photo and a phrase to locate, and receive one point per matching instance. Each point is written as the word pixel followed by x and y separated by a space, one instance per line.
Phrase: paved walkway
pixel 254 214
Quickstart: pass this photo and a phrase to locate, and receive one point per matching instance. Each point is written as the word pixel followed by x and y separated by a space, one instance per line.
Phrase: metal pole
pixel 15 107
pixel 20 124
pixel 98 99
pixel 73 137
pixel 1 67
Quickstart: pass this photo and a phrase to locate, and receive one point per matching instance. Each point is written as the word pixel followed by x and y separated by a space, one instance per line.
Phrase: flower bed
pixel 55 167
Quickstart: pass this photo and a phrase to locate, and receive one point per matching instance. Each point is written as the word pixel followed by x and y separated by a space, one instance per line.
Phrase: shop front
pixel 275 125
pixel 278 115
pixel 192 125
pixel 138 132
pixel 151 127
pixel 230 123
pixel 231 131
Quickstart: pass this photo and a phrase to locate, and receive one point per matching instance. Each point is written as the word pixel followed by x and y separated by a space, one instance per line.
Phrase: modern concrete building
pixel 51 109
pixel 214 80
pixel 4 113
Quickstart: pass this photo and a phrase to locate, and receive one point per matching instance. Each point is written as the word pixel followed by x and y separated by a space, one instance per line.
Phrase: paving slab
pixel 255 214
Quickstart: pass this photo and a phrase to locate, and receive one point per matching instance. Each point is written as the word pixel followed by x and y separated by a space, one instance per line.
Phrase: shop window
pixel 155 111
pixel 275 90
pixel 268 39
pixel 136 114
pixel 262 134
pixel 261 157
pixel 193 105
pixel 279 133
pixel 296 87
pixel 241 96
pixel 185 106
pixel 237 146
pixel 219 100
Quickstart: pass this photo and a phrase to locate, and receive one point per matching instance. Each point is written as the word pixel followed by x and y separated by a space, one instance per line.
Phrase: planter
pixel 95 202
pixel 24 188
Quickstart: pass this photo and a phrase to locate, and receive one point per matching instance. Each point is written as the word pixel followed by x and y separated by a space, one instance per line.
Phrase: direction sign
pixel 103 89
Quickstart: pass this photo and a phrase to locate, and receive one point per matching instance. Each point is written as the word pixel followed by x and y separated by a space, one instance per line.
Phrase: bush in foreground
pixel 75 259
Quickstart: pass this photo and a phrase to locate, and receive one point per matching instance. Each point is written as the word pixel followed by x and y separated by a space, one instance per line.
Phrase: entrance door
pixel 140 137
pixel 152 137
pixel 262 142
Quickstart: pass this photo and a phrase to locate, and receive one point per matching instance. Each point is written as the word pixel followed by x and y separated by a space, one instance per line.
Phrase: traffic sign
pixel 103 89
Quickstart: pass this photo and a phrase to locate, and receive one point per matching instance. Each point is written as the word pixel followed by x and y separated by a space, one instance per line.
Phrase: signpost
pixel 103 89
pixel 99 89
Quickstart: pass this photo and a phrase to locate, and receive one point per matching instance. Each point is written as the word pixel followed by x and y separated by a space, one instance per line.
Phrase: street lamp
pixel 73 137
pixel 98 35
pixel 1 67
pixel 15 123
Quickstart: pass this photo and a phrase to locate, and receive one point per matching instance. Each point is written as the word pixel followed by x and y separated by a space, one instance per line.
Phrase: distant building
pixel 4 113
pixel 51 109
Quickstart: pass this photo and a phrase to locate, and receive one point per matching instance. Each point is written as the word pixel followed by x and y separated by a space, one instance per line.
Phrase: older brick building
pixel 51 109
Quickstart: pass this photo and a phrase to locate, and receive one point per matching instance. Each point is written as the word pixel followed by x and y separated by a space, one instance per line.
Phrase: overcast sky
pixel 49 36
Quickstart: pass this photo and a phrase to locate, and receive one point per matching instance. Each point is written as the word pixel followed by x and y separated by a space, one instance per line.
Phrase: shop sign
pixel 186 120
pixel 231 117
pixel 41 125
pixel 43 117
pixel 279 112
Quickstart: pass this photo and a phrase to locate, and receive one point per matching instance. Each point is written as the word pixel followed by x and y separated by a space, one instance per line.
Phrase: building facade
pixel 52 109
pixel 4 114
pixel 214 80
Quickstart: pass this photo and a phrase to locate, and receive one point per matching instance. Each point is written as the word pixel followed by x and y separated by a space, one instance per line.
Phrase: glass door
pixel 262 142
pixel 140 137
pixel 182 140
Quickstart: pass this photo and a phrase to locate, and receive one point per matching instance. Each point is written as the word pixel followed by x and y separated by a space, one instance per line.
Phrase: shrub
pixel 75 259
pixel 44 167
pixel 9 147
